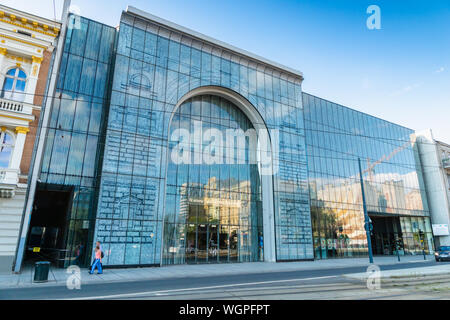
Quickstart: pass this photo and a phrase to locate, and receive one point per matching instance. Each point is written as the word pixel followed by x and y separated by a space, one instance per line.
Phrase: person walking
pixel 78 254
pixel 98 261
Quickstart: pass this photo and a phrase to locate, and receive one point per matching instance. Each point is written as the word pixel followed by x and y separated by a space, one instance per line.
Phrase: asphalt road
pixel 305 284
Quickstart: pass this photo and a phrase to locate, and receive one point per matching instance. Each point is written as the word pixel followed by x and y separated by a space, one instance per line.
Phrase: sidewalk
pixel 437 271
pixel 59 276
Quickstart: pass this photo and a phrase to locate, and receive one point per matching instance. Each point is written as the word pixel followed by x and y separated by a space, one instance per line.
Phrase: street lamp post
pixel 397 246
pixel 421 237
pixel 367 223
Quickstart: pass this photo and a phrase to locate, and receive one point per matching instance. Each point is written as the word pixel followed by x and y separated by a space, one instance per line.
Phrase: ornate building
pixel 26 46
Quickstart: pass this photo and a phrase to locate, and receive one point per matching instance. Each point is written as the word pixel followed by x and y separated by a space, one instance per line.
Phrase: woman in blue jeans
pixel 98 261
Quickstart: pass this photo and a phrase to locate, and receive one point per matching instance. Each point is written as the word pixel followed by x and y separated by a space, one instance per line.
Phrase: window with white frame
pixel 14 84
pixel 6 148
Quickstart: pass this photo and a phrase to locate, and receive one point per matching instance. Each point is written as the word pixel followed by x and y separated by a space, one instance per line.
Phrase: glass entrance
pixel 191 243
pixel 386 235
pixel 213 195
pixel 202 236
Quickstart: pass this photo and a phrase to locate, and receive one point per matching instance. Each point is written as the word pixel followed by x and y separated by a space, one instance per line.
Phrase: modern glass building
pixel 170 147
pixel 63 214
pixel 153 211
pixel 336 137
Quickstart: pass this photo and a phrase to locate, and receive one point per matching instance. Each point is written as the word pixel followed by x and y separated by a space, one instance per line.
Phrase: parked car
pixel 442 253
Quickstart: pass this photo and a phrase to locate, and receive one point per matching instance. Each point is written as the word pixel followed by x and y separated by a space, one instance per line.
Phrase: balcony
pixel 15 106
pixel 9 178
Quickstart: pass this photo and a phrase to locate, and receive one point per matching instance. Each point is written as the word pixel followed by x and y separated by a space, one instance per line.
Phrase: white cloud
pixel 441 69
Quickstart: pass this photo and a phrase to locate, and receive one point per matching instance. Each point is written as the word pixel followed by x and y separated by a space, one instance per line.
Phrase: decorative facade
pixel 26 46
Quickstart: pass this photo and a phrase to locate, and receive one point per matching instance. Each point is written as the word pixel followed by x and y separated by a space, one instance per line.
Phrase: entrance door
pixel 224 241
pixel 234 244
pixel 48 226
pixel 384 234
pixel 213 244
pixel 223 200
pixel 191 243
pixel 202 243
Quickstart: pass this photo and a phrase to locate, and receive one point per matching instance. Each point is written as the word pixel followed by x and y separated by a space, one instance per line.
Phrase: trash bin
pixel 41 269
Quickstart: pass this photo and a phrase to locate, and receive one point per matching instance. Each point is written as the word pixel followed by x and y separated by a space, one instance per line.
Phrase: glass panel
pixel 213 244
pixel 78 39
pixel 92 41
pixel 70 153
pixel 12 72
pixel 191 243
pixel 5 156
pixel 7 86
pixel 202 243
pixel 21 74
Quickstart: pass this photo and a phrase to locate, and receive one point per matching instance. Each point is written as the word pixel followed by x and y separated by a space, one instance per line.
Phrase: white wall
pixel 435 182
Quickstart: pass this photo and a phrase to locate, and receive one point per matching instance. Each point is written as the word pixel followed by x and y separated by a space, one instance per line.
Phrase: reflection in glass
pixel 6 148
pixel 14 85
pixel 219 209
pixel 336 137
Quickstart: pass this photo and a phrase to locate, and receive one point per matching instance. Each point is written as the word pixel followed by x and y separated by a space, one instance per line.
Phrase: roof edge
pixel 148 16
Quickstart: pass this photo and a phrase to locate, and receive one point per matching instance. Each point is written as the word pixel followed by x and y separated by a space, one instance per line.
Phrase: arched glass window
pixel 6 148
pixel 213 208
pixel 14 85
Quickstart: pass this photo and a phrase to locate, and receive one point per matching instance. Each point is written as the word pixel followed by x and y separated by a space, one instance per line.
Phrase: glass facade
pixel 213 212
pixel 71 153
pixel 155 67
pixel 123 94
pixel 336 137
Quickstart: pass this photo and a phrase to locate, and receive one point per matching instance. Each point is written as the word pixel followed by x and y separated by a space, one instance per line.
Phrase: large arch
pixel 267 187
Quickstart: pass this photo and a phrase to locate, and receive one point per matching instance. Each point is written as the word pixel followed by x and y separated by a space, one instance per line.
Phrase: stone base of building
pixel 6 263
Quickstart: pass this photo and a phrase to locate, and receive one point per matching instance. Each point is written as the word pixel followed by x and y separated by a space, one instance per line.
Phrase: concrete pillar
pixel 3 53
pixel 32 79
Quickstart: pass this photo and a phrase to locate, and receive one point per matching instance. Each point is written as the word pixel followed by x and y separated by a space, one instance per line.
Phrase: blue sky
pixel 400 73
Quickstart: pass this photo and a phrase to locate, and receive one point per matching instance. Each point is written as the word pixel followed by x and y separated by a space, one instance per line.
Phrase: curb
pixel 400 278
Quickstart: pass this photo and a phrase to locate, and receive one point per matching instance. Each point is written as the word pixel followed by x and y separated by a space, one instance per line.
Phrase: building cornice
pixel 19 58
pixel 27 118
pixel 29 21
pixel 18 39
pixel 22 25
